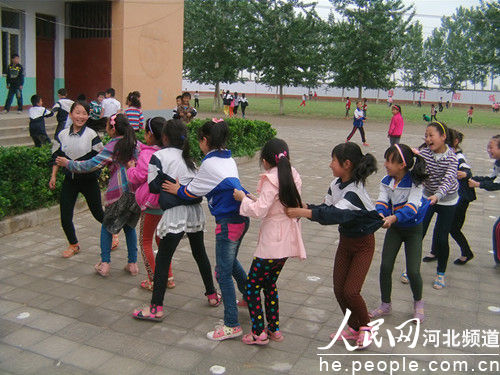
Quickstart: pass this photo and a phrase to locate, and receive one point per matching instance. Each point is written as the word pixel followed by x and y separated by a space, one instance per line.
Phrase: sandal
pixel 132 268
pixel 214 299
pixel 253 339
pixel 71 250
pixel 349 334
pixel 418 308
pixel 275 336
pixel 170 283
pixel 102 268
pixel 383 309
pixel 439 282
pixel 146 284
pixel 404 278
pixel 364 338
pixel 152 316
pixel 115 242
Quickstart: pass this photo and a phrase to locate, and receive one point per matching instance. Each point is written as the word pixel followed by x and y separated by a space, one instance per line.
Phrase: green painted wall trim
pixel 29 89
pixel 58 84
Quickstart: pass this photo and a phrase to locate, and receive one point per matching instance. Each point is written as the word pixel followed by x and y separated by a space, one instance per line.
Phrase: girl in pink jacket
pixel 151 212
pixel 279 238
pixel 396 126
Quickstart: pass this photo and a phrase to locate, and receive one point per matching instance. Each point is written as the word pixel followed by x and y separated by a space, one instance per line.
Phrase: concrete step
pixel 14 129
pixel 22 129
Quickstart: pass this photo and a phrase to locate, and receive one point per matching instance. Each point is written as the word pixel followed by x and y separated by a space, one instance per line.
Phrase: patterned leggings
pixel 263 274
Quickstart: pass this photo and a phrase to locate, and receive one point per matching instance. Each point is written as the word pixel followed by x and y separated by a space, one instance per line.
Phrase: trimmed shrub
pixel 25 171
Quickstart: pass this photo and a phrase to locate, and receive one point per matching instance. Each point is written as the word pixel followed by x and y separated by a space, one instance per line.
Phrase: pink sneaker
pixel 275 336
pixel 253 339
pixel 364 338
pixel 223 332
pixel 102 268
pixel 348 334
pixel 132 268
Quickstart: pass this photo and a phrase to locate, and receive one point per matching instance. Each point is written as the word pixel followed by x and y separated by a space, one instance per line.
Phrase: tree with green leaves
pixel 366 42
pixel 287 44
pixel 215 47
pixel 413 63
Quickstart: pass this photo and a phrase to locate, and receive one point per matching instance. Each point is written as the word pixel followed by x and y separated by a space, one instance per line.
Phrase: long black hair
pixel 216 133
pixel 414 163
pixel 276 153
pixel 125 147
pixel 134 99
pixel 155 126
pixel 176 132
pixel 362 165
pixel 83 103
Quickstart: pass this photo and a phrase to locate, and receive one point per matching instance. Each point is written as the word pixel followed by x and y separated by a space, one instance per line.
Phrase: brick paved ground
pixel 80 323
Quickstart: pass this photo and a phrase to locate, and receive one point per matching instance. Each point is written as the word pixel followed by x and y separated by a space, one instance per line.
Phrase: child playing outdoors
pixel 433 112
pixel 147 201
pixel 244 104
pixel 62 108
pixel 185 112
pixel 179 216
pixel 121 209
pixel 37 115
pixel 96 121
pixel 358 124
pixel 110 106
pixel 216 179
pixel 396 126
pixel 78 142
pixel 491 183
pixel 347 107
pixel 402 208
pixel 466 195
pixel 348 204
pixel 133 111
pixel 470 112
pixel 280 237
pixel 441 188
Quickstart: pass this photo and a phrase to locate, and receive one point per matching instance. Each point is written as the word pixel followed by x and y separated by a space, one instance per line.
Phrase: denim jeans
pixel 107 239
pixel 14 91
pixel 228 236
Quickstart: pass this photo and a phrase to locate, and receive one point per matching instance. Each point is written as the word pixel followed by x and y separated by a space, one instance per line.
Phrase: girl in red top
pixel 396 126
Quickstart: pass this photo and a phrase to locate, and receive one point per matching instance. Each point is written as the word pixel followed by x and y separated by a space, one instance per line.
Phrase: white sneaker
pixel 223 332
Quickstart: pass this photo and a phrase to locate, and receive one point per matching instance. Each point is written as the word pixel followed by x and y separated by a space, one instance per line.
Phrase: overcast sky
pixel 429 11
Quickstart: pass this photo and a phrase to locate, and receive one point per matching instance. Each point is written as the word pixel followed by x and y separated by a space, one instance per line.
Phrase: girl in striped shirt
pixel 134 112
pixel 441 188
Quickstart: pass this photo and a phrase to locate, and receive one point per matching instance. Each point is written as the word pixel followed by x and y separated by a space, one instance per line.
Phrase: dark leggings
pixel 361 131
pixel 440 244
pixel 456 229
pixel 40 139
pixel 412 238
pixel 496 241
pixel 263 275
pixel 69 193
pixel 166 250
pixel 352 262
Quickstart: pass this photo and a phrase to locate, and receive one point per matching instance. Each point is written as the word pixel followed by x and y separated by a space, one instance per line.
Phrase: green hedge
pixel 25 171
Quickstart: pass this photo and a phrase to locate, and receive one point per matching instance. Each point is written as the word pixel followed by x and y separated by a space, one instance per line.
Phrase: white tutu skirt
pixel 179 219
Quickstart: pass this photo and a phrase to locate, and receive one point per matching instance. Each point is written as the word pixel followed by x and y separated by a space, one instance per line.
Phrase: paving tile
pixel 87 357
pixel 178 359
pixel 24 337
pixel 79 332
pixel 119 365
pixel 54 347
pixel 26 362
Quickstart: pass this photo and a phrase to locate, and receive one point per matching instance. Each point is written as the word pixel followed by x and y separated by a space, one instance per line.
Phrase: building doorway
pixel 45 57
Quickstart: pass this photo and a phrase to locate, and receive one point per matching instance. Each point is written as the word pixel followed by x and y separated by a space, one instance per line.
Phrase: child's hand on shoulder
pixel 389 220
pixel 461 174
pixel 239 195
pixel 473 184
pixel 295 212
pixel 171 187
pixel 433 200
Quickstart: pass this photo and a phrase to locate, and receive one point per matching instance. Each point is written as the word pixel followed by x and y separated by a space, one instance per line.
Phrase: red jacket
pixel 396 126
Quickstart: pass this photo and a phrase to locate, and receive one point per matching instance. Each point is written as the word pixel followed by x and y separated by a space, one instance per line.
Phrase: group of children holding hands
pixel 158 184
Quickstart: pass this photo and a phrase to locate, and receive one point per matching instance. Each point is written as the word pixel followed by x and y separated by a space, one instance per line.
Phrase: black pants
pixel 434 117
pixel 196 103
pixel 69 193
pixel 17 92
pixel 166 250
pixel 235 109
pixel 243 108
pixel 40 139
pixel 456 229
pixel 361 131
pixel 469 120
pixel 442 228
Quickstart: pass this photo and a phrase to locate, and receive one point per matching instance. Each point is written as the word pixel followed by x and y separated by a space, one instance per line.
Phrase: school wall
pixel 28 44
pixel 146 52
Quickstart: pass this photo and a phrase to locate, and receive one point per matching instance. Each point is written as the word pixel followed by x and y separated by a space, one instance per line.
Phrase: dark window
pixel 10 19
pixel 89 19
pixel 45 26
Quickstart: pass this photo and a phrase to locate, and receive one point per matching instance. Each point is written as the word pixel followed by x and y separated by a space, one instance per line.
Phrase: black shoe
pixel 428 259
pixel 461 262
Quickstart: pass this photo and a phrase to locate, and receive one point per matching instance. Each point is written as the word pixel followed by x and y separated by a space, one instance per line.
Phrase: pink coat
pixel 279 236
pixel 138 175
pixel 396 126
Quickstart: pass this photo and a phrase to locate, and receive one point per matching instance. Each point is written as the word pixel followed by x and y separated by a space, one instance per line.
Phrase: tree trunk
pixel 343 93
pixel 360 93
pixel 378 95
pixel 281 100
pixel 413 97
pixel 216 104
pixel 492 79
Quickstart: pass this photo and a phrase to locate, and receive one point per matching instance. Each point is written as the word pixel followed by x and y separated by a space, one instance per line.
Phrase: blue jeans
pixel 10 96
pixel 107 239
pixel 228 236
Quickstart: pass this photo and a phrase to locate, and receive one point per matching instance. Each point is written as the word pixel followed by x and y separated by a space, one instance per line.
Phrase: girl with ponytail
pixel 280 237
pixel 147 201
pixel 121 209
pixel 402 207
